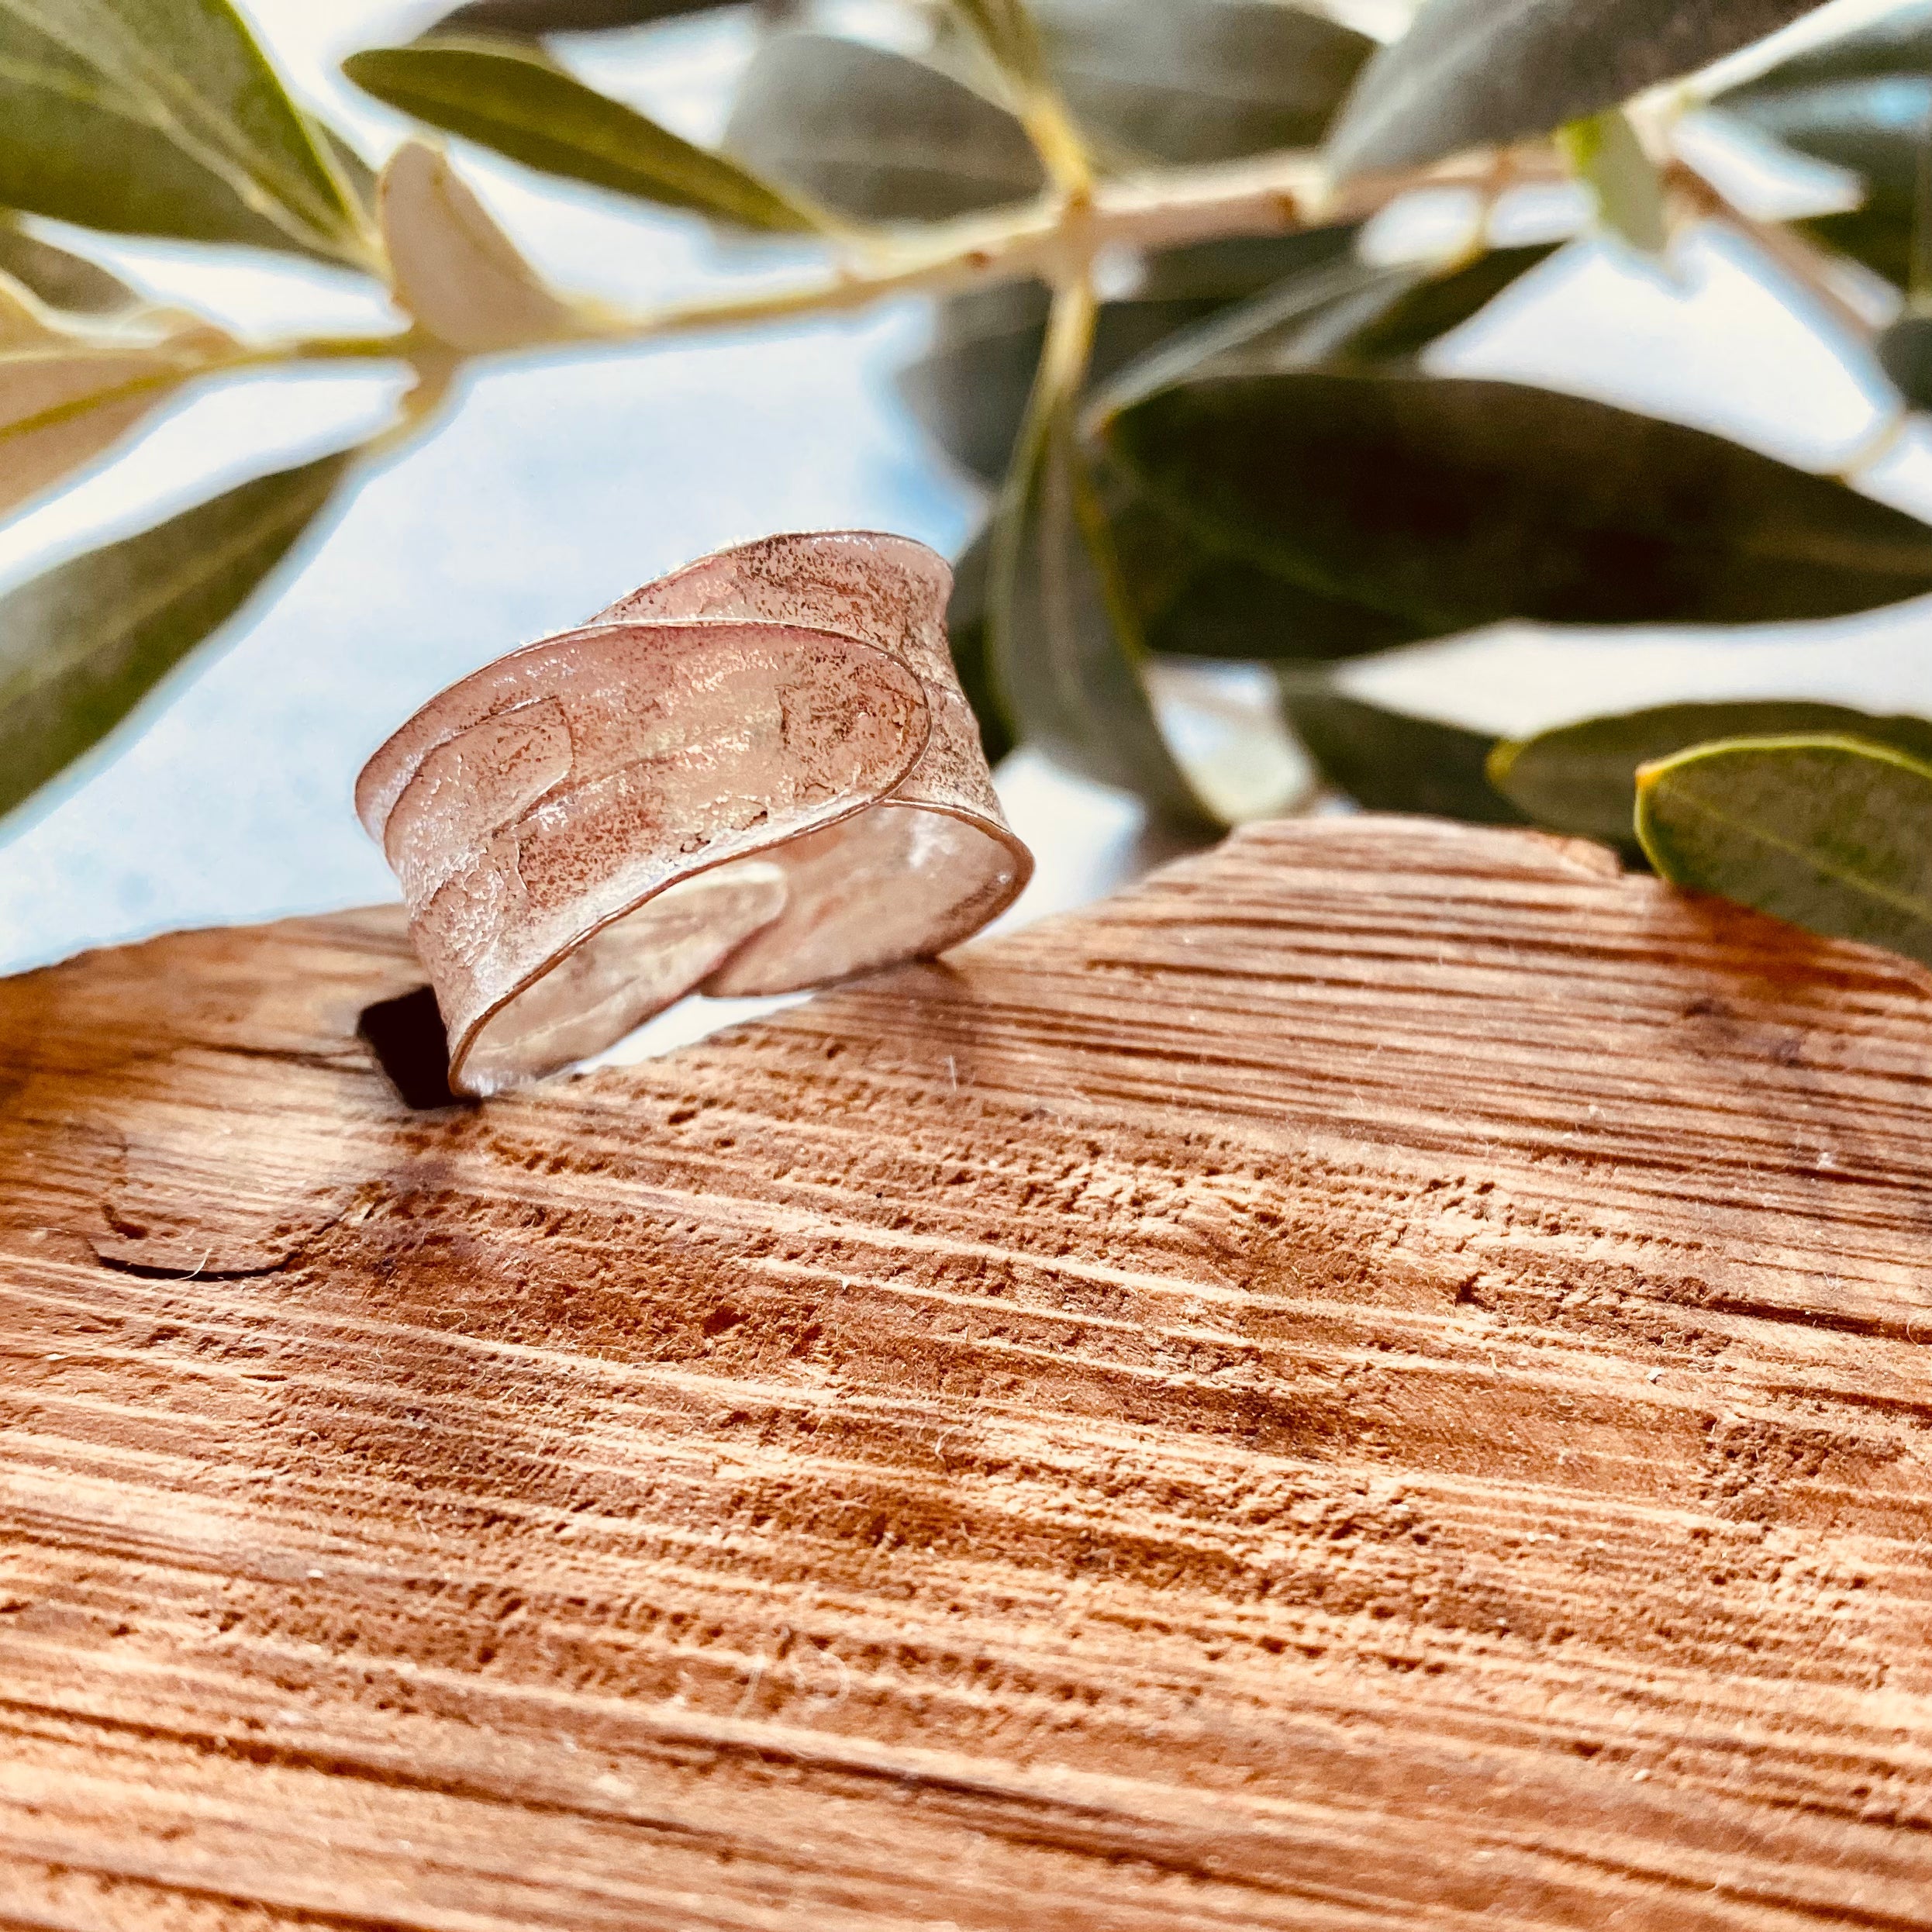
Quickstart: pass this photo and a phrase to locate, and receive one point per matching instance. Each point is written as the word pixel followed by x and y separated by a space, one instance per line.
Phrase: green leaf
pixel 966 628
pixel 564 16
pixel 162 117
pixel 64 402
pixel 1603 152
pixel 1875 128
pixel 1456 503
pixel 1582 778
pixel 969 391
pixel 456 271
pixel 1425 306
pixel 874 135
pixel 1832 834
pixel 512 99
pixel 1392 760
pixel 1189 81
pixel 1474 73
pixel 1905 353
pixel 81 645
pixel 1067 662
pixel 61 279
pixel 1008 35
pixel 1898 41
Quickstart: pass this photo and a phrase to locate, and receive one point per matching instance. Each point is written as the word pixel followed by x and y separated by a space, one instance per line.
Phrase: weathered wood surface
pixel 1379 1380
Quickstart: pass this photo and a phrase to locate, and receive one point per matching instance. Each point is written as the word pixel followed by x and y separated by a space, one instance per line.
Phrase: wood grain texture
pixel 1379 1380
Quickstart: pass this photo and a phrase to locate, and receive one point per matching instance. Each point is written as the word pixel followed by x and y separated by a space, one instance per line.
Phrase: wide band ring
pixel 754 775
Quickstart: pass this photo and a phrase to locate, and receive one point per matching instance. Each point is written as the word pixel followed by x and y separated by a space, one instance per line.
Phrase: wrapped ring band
pixel 754 775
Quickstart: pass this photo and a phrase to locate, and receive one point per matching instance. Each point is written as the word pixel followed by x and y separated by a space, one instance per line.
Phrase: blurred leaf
pixel 1474 73
pixel 1830 832
pixel 966 626
pixel 1006 32
pixel 1393 761
pixel 1582 778
pixel 1905 353
pixel 564 16
pixel 1426 306
pixel 874 135
pixel 1603 152
pixel 357 175
pixel 81 645
pixel 1186 80
pixel 63 403
pixel 456 271
pixel 1457 503
pixel 1874 128
pixel 60 279
pixel 1191 598
pixel 1898 41
pixel 969 391
pixel 161 117
pixel 1066 659
pixel 512 98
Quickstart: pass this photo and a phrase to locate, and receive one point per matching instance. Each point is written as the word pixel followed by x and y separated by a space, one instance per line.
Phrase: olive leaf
pixel 1066 658
pixel 1904 350
pixel 510 98
pixel 564 16
pixel 969 391
pixel 1582 778
pixel 1474 74
pixel 60 278
pixel 1899 41
pixel 82 644
pixel 1833 833
pixel 1008 35
pixel 966 631
pixel 874 135
pixel 455 270
pixel 63 401
pixel 1875 128
pixel 1457 502
pixel 1389 761
pixel 1186 80
pixel 1604 152
pixel 162 117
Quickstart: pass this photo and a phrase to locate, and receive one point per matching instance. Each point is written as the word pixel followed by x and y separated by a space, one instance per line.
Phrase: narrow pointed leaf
pixel 165 118
pixel 509 97
pixel 966 629
pixel 1898 42
pixel 1875 128
pixel 1190 81
pixel 60 277
pixel 1457 503
pixel 1066 657
pixel 81 645
pixel 456 271
pixel 1389 761
pixel 1833 833
pixel 1582 778
pixel 970 390
pixel 1475 73
pixel 63 403
pixel 1007 33
pixel 874 135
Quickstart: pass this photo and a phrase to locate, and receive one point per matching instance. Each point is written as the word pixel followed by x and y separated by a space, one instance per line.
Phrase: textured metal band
pixel 756 775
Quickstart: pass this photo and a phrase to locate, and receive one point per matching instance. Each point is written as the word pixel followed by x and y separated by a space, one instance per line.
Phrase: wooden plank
pixel 1378 1380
